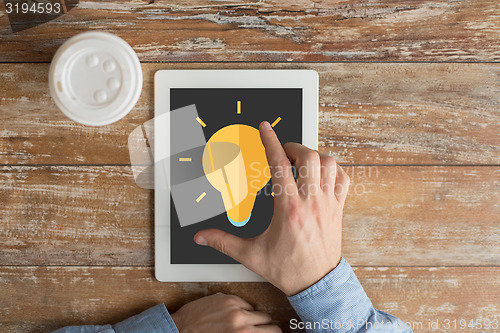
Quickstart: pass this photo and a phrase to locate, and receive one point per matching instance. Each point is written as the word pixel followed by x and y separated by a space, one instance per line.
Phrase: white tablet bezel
pixel 165 80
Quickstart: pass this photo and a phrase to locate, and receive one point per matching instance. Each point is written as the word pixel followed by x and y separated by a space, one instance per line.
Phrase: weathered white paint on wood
pixel 369 113
pixel 402 216
pixel 375 113
pixel 424 30
pixel 40 299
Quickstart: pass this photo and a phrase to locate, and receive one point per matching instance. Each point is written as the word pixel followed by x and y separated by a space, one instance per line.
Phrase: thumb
pixel 224 242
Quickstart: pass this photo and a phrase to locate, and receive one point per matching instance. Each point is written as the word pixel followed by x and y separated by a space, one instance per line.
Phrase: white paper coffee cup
pixel 95 78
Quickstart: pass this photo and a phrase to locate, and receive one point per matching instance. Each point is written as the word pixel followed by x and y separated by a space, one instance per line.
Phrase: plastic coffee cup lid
pixel 95 78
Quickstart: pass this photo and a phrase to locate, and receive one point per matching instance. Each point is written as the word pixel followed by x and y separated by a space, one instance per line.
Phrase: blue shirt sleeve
pixel 154 320
pixel 337 303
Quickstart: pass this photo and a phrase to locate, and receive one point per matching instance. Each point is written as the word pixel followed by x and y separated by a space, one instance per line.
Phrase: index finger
pixel 281 169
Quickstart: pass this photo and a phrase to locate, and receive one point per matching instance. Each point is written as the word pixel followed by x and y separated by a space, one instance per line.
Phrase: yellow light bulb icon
pixel 235 163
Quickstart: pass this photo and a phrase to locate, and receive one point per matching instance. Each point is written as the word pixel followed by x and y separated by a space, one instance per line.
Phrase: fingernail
pixel 200 241
pixel 266 125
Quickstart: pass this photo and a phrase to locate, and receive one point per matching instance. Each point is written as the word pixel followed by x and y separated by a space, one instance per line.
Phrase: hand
pixel 222 313
pixel 303 241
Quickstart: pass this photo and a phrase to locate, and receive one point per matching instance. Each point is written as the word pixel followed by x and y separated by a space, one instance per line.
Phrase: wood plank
pixel 349 30
pixel 60 296
pixel 437 114
pixel 75 215
pixel 395 216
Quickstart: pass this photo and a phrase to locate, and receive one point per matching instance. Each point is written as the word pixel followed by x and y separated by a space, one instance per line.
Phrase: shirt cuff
pixel 337 298
pixel 154 320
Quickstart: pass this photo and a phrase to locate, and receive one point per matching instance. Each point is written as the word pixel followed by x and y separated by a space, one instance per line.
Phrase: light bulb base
pixel 239 224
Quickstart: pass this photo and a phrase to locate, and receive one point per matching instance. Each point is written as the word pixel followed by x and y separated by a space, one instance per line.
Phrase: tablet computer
pixel 205 142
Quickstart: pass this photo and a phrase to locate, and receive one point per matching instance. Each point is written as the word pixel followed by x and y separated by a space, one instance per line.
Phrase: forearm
pixel 338 303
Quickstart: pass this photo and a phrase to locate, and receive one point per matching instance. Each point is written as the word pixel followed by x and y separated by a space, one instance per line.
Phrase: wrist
pixel 177 318
pixel 305 281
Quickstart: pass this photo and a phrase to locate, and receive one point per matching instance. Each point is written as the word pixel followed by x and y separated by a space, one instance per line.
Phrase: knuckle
pixel 219 246
pixel 231 300
pixel 235 300
pixel 311 156
pixel 342 173
pixel 235 316
pixel 294 210
pixel 316 207
pixel 282 164
pixel 314 189
pixel 267 316
pixel 328 162
pixel 293 205
pixel 220 298
pixel 287 145
pixel 341 190
pixel 345 180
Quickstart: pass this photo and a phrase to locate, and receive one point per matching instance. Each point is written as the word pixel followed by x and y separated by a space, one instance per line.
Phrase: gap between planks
pixel 152 266
pixel 285 62
pixel 341 164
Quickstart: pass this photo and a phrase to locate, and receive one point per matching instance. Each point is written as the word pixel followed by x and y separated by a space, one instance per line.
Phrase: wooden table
pixel 409 104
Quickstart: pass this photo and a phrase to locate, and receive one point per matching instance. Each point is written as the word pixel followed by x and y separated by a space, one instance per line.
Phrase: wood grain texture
pixel 394 216
pixel 60 296
pixel 438 114
pixel 76 233
pixel 349 30
pixel 75 216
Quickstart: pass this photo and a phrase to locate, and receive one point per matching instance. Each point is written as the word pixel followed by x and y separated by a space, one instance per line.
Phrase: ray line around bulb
pixel 276 122
pixel 201 196
pixel 185 159
pixel 238 107
pixel 211 158
pixel 202 123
